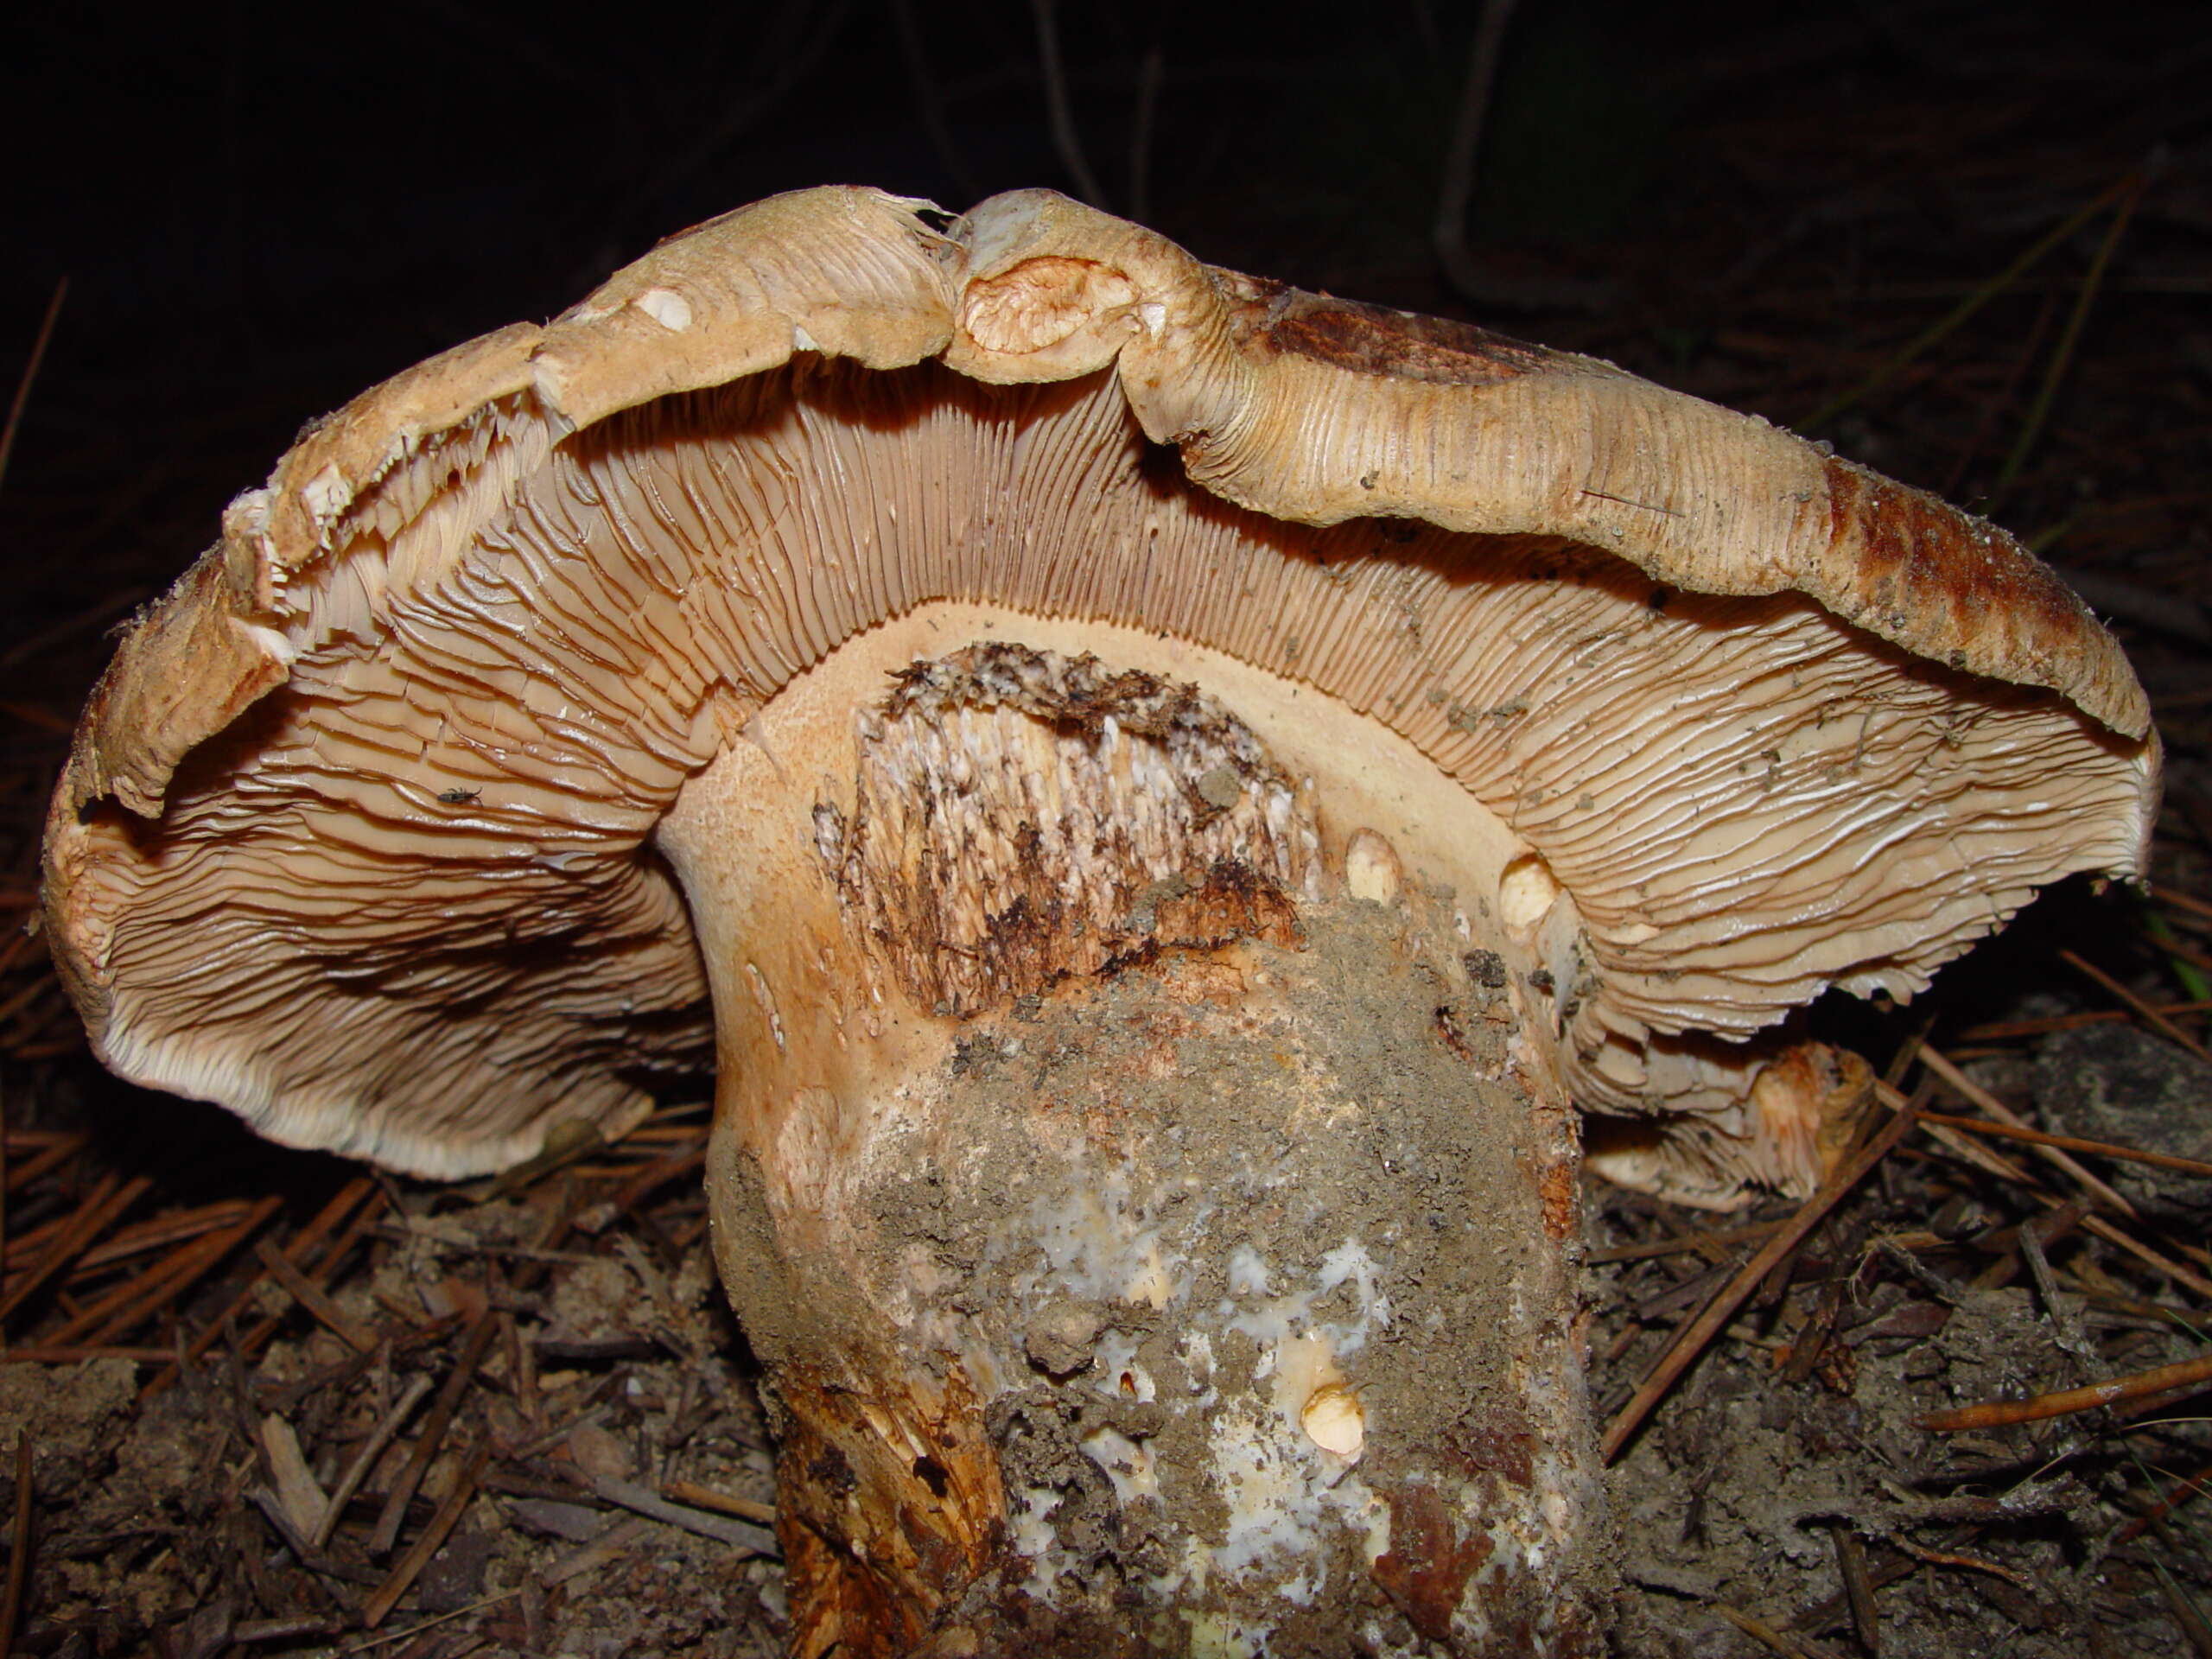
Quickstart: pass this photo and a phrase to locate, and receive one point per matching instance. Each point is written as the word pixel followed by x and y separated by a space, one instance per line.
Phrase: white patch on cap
pixel 665 307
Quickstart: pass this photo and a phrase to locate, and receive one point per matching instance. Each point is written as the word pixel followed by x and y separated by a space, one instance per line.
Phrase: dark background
pixel 261 208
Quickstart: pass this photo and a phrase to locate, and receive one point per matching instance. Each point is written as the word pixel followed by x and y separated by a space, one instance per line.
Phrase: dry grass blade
pixel 1997 1413
pixel 2191 967
pixel 22 999
pixel 2180 1273
pixel 23 398
pixel 1067 138
pixel 1937 1063
pixel 56 1151
pixel 566 1142
pixel 19 1547
pixel 2185 1614
pixel 2069 1143
pixel 1980 1156
pixel 342 1205
pixel 1938 332
pixel 1690 1341
pixel 419 1628
pixel 2190 1486
pixel 1456 188
pixel 177 1227
pixel 2003 1031
pixel 47 1353
pixel 655 1175
pixel 2150 1016
pixel 2061 360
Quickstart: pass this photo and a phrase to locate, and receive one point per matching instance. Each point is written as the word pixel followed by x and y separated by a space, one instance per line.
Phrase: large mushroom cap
pixel 356 837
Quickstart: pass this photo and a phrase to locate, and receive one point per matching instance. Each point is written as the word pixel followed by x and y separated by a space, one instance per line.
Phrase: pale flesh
pixel 1172 1261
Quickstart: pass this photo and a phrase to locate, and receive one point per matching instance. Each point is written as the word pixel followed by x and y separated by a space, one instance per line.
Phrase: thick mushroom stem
pixel 1127 1171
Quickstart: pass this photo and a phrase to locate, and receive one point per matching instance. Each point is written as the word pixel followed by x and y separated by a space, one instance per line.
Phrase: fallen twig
pixel 1972 1563
pixel 472 1349
pixel 19 1546
pixel 707 1497
pixel 1859 1591
pixel 365 1459
pixel 643 1500
pixel 109 1199
pixel 419 1553
pixel 1690 1341
pixel 1934 1060
pixel 1998 1413
pixel 131 1303
pixel 310 1295
pixel 2151 1017
pixel 1682 1243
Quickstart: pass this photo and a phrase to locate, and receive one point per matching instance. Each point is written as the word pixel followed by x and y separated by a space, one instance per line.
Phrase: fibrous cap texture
pixel 357 837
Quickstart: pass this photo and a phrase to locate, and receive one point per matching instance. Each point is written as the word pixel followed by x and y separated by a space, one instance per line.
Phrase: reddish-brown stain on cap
pixel 1374 339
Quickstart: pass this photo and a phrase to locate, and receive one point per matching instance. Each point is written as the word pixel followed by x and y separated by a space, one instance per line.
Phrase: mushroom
pixel 1159 790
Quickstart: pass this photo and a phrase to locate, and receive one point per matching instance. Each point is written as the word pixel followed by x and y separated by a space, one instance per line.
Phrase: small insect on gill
pixel 459 797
